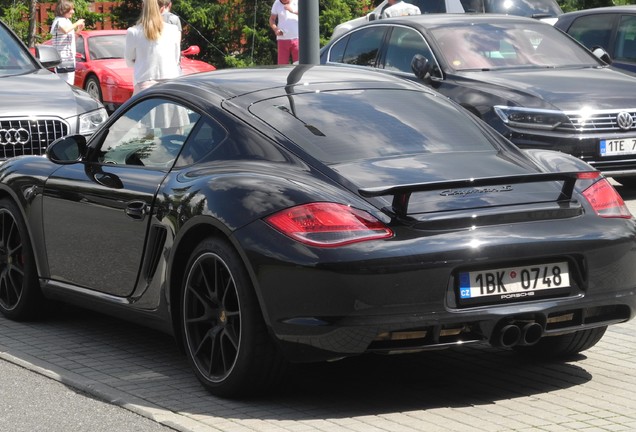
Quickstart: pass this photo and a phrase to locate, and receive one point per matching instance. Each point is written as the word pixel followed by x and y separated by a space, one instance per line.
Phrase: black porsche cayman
pixel 309 213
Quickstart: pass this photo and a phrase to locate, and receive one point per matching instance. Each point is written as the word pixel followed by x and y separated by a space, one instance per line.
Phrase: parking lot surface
pixel 473 388
pixel 467 389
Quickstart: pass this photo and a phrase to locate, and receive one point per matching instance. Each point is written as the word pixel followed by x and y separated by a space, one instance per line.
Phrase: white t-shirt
pixel 153 60
pixel 64 42
pixel 287 21
pixel 401 8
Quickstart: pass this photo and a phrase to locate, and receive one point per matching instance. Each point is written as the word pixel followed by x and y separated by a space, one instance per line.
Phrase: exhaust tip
pixel 531 333
pixel 508 336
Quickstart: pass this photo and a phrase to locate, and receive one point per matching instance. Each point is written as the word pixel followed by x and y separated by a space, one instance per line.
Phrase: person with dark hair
pixel 165 7
pixel 63 31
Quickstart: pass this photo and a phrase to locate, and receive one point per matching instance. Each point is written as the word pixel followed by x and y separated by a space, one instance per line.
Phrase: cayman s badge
pixel 624 120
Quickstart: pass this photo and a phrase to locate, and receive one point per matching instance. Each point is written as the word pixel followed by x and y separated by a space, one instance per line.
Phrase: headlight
pixel 531 118
pixel 89 122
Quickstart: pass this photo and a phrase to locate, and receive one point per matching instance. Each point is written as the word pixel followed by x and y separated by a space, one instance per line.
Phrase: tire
pixel 20 295
pixel 93 88
pixel 224 334
pixel 562 346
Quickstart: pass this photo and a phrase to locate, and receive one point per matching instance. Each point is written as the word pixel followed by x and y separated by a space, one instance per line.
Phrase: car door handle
pixel 137 210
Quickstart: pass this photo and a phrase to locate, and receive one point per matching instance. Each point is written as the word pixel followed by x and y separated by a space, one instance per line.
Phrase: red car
pixel 101 69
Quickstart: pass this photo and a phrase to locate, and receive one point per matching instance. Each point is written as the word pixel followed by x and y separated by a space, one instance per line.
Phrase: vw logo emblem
pixel 624 120
pixel 14 136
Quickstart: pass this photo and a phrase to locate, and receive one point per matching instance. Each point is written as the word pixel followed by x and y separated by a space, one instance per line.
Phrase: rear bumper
pixel 311 341
pixel 396 295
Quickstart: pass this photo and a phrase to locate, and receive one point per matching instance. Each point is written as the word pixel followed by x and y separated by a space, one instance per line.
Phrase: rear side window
pixel 363 46
pixel 593 31
pixel 403 44
pixel 350 125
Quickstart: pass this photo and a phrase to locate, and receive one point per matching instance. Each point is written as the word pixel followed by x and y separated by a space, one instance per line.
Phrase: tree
pixel 13 14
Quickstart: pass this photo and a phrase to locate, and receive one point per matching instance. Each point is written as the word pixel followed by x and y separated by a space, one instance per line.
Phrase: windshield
pixel 485 46
pixel 14 59
pixel 106 47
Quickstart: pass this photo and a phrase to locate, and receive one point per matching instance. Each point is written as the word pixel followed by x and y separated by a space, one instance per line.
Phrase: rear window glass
pixel 350 125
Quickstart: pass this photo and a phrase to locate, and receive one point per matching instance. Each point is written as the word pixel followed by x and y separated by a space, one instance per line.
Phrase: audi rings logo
pixel 624 120
pixel 14 136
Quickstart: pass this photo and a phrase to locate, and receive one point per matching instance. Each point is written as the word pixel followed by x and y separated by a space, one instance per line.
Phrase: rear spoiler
pixel 402 193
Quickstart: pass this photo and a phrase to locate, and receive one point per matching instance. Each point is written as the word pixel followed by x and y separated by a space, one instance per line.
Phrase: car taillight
pixel 606 201
pixel 328 224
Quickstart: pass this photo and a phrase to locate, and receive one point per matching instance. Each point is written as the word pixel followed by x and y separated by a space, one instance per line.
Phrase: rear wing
pixel 402 193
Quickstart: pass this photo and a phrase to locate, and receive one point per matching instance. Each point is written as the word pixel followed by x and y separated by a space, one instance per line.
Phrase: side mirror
pixel 67 150
pixel 421 68
pixel 601 54
pixel 191 50
pixel 48 56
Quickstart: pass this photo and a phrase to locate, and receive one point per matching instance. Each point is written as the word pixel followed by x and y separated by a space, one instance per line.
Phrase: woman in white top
pixel 63 31
pixel 152 48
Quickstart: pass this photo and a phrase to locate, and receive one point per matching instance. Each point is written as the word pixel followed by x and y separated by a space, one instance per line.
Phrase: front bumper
pixel 585 147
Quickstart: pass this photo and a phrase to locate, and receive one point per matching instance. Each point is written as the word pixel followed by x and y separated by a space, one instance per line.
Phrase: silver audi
pixel 37 106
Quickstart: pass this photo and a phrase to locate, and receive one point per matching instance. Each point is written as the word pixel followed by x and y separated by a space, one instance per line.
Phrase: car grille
pixel 596 121
pixel 21 136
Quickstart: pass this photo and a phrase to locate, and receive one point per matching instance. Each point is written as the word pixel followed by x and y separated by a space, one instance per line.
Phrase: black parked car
pixel 534 84
pixel 311 213
pixel 611 28
pixel 36 106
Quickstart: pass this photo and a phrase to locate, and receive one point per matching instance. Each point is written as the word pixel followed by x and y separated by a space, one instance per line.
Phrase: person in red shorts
pixel 284 23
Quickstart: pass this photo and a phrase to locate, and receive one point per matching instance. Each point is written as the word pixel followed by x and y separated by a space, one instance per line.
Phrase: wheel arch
pixel 40 260
pixel 193 233
pixel 90 75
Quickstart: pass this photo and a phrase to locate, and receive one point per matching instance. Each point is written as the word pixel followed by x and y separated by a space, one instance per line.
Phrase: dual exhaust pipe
pixel 522 333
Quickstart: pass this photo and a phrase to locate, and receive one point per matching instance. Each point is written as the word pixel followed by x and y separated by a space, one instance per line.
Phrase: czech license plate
pixel 617 147
pixel 513 283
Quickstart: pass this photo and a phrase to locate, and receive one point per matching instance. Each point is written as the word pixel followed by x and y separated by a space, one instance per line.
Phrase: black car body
pixel 37 106
pixel 553 95
pixel 611 28
pixel 311 213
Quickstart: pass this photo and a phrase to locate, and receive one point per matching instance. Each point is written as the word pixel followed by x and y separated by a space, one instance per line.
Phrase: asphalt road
pixel 79 371
pixel 31 402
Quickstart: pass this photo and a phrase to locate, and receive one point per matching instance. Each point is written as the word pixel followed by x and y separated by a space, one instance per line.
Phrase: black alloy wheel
pixel 20 296
pixel 225 337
